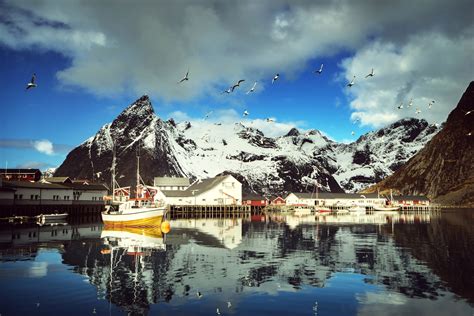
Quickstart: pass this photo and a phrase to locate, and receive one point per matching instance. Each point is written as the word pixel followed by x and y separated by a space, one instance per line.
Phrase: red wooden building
pixel 254 200
pixel 20 174
pixel 278 201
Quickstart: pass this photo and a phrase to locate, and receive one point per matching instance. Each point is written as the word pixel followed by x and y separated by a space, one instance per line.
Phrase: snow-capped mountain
pixel 293 162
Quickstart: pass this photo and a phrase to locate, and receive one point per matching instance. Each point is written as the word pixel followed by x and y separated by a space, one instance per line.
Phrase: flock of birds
pixel 317 72
pixel 32 84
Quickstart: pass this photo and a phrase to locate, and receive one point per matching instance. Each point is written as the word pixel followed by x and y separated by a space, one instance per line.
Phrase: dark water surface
pixel 380 264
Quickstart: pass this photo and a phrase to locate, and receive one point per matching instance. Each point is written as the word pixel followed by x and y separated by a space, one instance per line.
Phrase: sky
pixel 94 58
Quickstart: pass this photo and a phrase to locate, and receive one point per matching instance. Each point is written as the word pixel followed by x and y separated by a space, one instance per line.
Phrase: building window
pixel 20 197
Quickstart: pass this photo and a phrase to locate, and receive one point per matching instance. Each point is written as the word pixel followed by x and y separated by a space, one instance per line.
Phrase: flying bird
pixel 320 70
pixel 186 77
pixel 371 73
pixel 229 304
pixel 469 134
pixel 237 84
pixel 400 106
pixel 199 294
pixel 410 103
pixel 207 114
pixel 32 83
pixel 468 112
pixel 217 311
pixel 418 111
pixel 352 133
pixel 253 88
pixel 350 84
pixel 227 91
pixel 275 78
pixel 269 119
pixel 245 113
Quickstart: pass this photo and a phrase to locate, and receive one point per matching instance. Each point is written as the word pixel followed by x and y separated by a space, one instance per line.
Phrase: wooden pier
pixel 208 211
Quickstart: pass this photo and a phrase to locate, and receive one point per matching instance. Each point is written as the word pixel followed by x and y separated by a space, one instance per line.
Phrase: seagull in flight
pixel 352 133
pixel 32 83
pixel 237 84
pixel 199 294
pixel 186 77
pixel 228 90
pixel 468 112
pixel 253 88
pixel 418 111
pixel 207 114
pixel 350 84
pixel 400 106
pixel 270 120
pixel 320 70
pixel 245 113
pixel 430 104
pixel 275 78
pixel 229 304
pixel 410 103
pixel 217 311
pixel 371 73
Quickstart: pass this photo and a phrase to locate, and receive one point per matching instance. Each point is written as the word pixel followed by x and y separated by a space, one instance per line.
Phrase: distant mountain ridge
pixel 269 166
pixel 444 169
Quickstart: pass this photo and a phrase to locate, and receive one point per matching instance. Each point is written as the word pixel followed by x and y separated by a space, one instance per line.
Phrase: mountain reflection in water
pixel 264 264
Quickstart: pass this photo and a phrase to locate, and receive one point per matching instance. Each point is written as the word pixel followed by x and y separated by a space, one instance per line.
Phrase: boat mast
pixel 138 169
pixel 113 173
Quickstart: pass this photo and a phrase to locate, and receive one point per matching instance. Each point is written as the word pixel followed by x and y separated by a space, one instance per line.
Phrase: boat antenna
pixel 113 171
pixel 138 168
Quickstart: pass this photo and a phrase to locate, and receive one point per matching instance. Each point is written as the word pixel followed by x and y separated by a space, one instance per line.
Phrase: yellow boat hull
pixel 144 222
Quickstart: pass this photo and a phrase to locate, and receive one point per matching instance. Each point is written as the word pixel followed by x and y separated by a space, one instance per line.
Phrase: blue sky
pixel 93 60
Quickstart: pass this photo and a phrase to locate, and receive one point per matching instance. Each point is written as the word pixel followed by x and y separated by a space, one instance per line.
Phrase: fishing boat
pixel 389 207
pixel 51 217
pixel 357 209
pixel 145 210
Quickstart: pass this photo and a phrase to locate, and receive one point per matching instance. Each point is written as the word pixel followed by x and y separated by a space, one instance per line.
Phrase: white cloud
pixel 427 67
pixel 44 146
pixel 147 47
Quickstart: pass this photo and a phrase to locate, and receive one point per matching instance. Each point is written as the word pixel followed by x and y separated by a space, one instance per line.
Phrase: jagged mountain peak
pixel 293 132
pixel 141 107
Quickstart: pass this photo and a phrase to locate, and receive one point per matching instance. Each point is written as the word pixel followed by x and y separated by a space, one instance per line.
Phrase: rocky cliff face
pixel 444 169
pixel 293 162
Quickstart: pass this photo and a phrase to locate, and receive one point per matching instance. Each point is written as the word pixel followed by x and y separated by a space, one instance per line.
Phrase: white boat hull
pixel 138 217
pixel 386 208
pixel 48 217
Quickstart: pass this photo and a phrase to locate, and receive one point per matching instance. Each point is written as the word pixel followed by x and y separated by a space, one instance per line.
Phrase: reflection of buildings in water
pixel 379 218
pixel 227 231
pixel 268 257
pixel 14 236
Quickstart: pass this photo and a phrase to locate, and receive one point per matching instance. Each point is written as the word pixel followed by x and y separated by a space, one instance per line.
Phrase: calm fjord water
pixel 388 264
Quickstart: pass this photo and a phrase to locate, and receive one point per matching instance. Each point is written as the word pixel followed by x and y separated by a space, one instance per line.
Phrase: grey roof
pixel 171 181
pixel 196 188
pixel 86 187
pixel 176 193
pixel 34 185
pixel 253 197
pixel 204 185
pixel 58 179
pixel 329 195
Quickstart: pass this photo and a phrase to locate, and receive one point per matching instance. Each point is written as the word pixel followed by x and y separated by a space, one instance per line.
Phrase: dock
pixel 208 211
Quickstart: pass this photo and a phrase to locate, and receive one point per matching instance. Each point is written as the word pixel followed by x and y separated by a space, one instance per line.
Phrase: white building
pixel 334 199
pixel 37 193
pixel 171 183
pixel 221 190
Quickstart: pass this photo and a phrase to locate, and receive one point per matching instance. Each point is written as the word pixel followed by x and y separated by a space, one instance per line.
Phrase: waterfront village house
pixel 6 194
pixel 221 190
pixel 171 183
pixel 278 201
pixel 334 199
pixel 254 200
pixel 37 193
pixel 411 200
pixel 20 174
